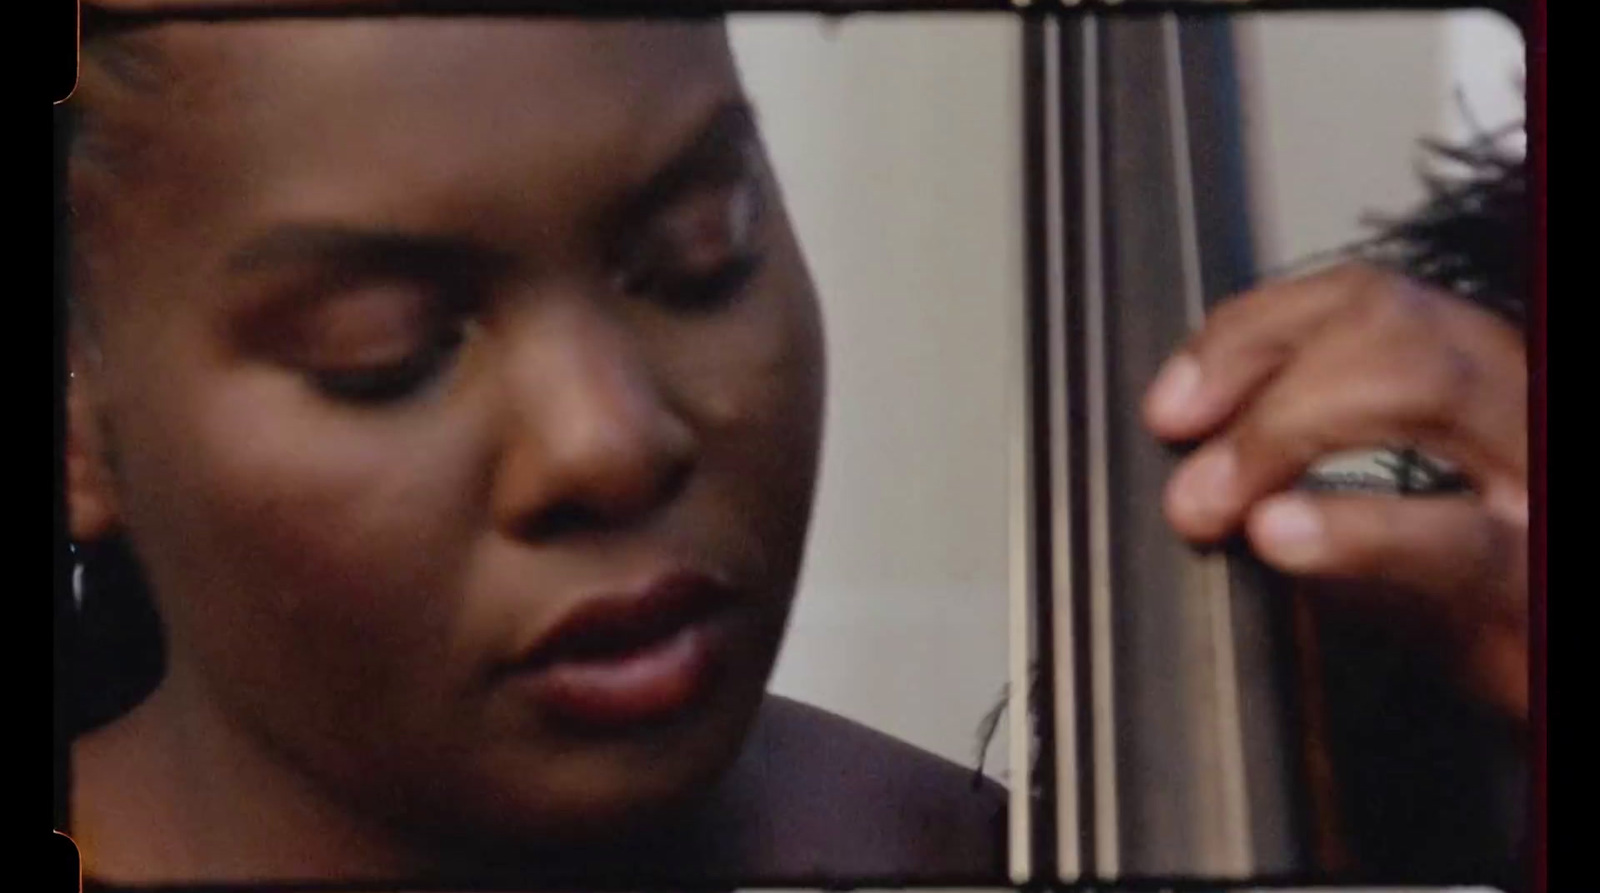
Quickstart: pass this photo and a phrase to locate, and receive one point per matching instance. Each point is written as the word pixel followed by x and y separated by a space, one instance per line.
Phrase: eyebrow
pixel 716 154
pixel 361 250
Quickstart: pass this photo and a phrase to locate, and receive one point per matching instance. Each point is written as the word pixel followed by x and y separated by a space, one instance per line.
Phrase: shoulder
pixel 863 764
pixel 843 801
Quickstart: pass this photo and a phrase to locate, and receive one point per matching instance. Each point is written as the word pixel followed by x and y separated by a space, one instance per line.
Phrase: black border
pixel 1530 15
pixel 95 18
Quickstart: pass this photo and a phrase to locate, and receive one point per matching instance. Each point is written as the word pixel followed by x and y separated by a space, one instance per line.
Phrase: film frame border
pixel 1530 15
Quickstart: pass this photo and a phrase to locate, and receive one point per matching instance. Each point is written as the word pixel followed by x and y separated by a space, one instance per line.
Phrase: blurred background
pixel 897 140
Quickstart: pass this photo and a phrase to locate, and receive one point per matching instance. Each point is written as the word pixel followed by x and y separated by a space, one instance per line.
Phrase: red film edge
pixel 1538 565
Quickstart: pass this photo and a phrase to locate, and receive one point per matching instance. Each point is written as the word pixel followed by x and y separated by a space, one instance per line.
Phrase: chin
pixel 540 789
pixel 572 790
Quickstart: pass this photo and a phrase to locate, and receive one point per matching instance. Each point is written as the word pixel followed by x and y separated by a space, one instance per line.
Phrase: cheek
pixel 755 387
pixel 289 542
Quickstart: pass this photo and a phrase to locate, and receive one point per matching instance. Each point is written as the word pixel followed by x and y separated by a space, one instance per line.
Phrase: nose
pixel 591 442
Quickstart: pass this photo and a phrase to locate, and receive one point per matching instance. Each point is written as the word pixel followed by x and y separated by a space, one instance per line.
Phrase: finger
pixel 1244 341
pixel 1461 397
pixel 1444 567
pixel 1449 554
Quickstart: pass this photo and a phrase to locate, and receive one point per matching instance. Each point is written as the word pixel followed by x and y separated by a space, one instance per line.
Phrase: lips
pixel 631 658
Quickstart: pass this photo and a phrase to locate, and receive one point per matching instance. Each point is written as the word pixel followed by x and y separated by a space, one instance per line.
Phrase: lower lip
pixel 651 685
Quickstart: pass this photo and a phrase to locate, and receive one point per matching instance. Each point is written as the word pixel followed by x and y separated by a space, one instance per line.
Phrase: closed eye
pixel 701 253
pixel 377 343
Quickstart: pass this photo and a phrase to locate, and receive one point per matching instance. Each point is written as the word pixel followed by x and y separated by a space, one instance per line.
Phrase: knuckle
pixel 1493 564
pixel 1278 433
pixel 1220 325
pixel 1444 382
pixel 1433 379
pixel 1356 276
pixel 1395 302
pixel 1228 338
pixel 1361 284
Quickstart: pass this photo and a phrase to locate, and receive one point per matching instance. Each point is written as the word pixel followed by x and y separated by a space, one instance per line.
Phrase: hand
pixel 1352 359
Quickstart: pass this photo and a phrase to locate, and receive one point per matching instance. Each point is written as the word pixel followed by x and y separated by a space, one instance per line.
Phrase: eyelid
pixel 424 344
pixel 385 322
pixel 740 207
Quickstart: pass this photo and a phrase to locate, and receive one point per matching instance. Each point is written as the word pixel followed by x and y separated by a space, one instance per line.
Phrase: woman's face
pixel 415 341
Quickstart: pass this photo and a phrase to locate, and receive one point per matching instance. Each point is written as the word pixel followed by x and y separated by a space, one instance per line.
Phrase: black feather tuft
pixel 1471 236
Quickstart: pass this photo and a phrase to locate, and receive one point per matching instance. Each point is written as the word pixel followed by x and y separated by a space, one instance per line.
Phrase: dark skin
pixel 1348 359
pixel 334 271
pixel 569 331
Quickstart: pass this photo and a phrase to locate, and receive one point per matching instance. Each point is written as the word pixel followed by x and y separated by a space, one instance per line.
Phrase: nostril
pixel 563 519
pixel 594 511
pixel 675 481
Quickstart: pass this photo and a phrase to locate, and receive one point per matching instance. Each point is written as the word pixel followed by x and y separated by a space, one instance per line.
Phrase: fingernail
pixel 1206 489
pixel 1172 396
pixel 1289 531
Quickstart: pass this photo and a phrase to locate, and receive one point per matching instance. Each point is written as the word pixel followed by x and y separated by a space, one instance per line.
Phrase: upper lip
pixel 620 623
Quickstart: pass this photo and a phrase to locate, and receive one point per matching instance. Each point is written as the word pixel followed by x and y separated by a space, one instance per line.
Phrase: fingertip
pixel 1290 532
pixel 1170 405
pixel 1200 500
pixel 1177 512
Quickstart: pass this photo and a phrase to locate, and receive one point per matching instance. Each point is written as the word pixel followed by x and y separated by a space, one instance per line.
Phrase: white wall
pixel 897 143
pixel 1485 58
pixel 1336 103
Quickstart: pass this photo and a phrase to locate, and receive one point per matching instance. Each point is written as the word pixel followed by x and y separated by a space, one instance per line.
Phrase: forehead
pixel 361 43
pixel 420 72
pixel 467 62
pixel 298 113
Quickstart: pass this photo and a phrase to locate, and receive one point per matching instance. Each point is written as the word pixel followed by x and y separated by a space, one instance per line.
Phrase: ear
pixel 92 511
